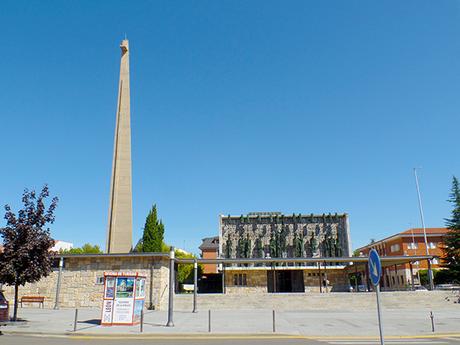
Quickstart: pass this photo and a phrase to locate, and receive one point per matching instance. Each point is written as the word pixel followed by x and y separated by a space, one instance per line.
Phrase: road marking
pixel 348 342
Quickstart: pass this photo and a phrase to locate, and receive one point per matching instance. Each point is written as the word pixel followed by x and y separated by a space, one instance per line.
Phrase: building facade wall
pixel 209 254
pixel 256 280
pixel 82 281
pixel 284 236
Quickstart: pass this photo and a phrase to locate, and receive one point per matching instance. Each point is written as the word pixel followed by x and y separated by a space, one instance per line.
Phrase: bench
pixel 33 299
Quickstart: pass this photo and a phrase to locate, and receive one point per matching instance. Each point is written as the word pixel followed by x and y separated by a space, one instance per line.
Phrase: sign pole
pixel 379 313
pixel 375 273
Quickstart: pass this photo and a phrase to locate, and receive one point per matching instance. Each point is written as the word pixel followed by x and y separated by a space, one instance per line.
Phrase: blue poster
pixel 138 306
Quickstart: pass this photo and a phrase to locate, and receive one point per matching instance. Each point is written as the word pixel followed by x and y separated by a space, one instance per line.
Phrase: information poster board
pixel 123 300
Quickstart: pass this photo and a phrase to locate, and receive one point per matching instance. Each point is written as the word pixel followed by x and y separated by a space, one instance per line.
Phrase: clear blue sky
pixel 237 106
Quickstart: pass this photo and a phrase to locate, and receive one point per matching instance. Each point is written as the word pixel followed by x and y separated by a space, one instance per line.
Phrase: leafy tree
pixel 185 271
pixel 26 256
pixel 152 239
pixel 451 260
pixel 87 248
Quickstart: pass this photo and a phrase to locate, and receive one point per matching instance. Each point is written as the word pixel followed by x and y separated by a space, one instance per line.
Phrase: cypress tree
pixel 154 230
pixel 451 260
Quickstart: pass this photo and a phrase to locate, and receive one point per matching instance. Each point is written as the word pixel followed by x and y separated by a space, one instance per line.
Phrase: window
pixel 402 280
pixel 435 261
pixel 240 279
pixel 99 280
pixel 412 245
pixel 432 245
pixel 395 247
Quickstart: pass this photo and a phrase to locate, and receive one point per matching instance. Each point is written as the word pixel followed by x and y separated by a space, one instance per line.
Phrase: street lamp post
pixel 430 273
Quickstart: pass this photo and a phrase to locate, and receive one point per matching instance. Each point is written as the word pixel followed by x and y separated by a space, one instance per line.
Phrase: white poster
pixel 107 311
pixel 123 310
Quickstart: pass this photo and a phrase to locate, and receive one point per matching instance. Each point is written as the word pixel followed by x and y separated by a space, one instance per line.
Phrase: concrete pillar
pixel 171 288
pixel 120 224
pixel 396 275
pixel 58 285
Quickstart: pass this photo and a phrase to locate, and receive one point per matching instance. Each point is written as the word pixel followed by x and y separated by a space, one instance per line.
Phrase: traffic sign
pixel 375 267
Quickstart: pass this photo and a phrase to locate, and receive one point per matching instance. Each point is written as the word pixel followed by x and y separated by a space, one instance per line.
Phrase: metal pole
pixel 412 276
pixel 209 320
pixel 195 284
pixel 367 279
pixel 75 320
pixel 432 321
pixel 151 288
pixel 320 282
pixel 379 313
pixel 142 321
pixel 223 278
pixel 171 288
pixel 58 286
pixel 274 323
pixel 430 273
pixel 396 274
pixel 356 278
pixel 325 274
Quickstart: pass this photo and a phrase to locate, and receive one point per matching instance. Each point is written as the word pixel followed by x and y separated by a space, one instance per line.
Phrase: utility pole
pixel 430 273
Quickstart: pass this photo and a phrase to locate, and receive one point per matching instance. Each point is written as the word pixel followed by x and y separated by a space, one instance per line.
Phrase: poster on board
pixel 125 287
pixel 123 311
pixel 140 288
pixel 110 287
pixel 138 306
pixel 107 310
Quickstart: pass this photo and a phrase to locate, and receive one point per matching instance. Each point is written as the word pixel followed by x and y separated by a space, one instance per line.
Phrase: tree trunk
pixel 15 313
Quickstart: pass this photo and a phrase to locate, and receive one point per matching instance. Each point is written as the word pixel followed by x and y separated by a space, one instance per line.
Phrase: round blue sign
pixel 375 267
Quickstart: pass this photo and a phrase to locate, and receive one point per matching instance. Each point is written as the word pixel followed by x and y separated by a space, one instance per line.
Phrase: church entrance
pixel 285 281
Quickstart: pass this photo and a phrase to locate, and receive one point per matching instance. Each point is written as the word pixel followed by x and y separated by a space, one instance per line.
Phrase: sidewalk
pixel 305 323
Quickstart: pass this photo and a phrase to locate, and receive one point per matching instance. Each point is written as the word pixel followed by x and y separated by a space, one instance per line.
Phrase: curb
pixel 182 336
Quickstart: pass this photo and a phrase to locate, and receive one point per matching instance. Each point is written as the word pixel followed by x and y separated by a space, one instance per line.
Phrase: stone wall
pixel 81 284
pixel 256 280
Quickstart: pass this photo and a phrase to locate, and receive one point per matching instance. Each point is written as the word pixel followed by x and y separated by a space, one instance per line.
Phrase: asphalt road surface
pixel 75 340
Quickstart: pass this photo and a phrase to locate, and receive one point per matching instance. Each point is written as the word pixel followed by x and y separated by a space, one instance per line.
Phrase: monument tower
pixel 119 232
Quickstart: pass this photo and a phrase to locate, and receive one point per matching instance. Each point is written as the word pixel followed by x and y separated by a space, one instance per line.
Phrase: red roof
pixel 428 231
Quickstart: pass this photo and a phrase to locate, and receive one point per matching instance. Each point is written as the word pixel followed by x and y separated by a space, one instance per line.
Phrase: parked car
pixel 447 287
pixel 362 288
pixel 420 288
pixel 4 308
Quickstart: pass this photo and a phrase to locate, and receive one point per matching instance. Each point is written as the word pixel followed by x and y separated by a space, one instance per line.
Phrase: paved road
pixel 38 340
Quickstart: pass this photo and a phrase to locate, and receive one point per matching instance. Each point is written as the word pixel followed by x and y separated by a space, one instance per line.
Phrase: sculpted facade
pixel 262 235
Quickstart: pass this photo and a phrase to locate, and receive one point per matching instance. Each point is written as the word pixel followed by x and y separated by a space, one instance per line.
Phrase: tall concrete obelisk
pixel 120 228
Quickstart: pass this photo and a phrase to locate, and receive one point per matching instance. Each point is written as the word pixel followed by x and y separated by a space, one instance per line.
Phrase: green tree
pixel 185 271
pixel 26 256
pixel 152 239
pixel 451 259
pixel 87 248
